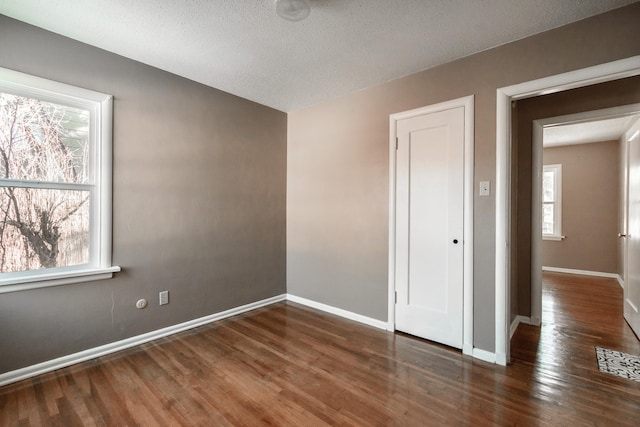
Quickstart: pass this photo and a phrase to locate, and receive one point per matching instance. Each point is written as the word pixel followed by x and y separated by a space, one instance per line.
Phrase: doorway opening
pixel 505 96
pixel 598 223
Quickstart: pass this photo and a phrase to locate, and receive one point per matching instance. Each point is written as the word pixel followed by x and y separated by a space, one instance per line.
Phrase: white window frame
pixel 557 203
pixel 100 107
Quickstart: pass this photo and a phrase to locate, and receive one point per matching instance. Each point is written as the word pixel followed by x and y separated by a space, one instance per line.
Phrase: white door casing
pixel 632 234
pixel 430 208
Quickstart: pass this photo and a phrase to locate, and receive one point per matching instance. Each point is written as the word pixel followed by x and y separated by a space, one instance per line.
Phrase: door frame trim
pixel 467 312
pixel 504 96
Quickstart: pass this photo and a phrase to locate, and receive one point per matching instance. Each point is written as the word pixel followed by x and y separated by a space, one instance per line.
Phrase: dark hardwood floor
pixel 289 365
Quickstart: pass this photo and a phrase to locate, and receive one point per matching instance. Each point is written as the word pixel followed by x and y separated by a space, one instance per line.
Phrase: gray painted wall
pixel 199 204
pixel 337 179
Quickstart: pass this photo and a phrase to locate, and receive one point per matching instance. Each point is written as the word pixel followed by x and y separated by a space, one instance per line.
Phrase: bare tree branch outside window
pixel 44 170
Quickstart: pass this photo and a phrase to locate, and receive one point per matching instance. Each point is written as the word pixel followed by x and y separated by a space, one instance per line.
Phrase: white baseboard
pixel 581 272
pixel 501 359
pixel 82 356
pixel 516 322
pixel 467 349
pixel 485 355
pixel 92 353
pixel 586 273
pixel 389 326
pixel 339 312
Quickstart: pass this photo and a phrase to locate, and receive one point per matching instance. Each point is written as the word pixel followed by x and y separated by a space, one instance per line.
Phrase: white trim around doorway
pixel 504 96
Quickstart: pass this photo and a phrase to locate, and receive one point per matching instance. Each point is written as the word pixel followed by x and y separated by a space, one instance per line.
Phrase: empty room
pixel 317 212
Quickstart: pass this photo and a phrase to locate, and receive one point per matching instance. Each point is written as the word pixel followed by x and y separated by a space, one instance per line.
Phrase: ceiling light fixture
pixel 293 10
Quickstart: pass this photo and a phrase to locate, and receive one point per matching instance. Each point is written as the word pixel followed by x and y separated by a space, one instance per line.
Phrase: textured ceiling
pixel 587 132
pixel 244 48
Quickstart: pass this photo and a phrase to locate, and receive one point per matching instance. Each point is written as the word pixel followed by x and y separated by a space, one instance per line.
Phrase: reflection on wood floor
pixel 289 365
pixel 578 313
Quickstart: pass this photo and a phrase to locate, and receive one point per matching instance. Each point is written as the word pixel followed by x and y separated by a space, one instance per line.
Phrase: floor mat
pixel 618 363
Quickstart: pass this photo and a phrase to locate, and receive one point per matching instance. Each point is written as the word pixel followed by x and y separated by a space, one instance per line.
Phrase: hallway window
pixel 552 202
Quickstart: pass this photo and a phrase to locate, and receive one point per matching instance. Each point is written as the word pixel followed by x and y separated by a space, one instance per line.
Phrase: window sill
pixel 554 238
pixel 24 283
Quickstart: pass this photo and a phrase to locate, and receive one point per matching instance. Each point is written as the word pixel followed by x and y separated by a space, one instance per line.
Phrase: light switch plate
pixel 485 188
pixel 164 297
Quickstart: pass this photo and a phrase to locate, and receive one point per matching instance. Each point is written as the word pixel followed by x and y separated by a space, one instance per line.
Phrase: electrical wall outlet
pixel 164 297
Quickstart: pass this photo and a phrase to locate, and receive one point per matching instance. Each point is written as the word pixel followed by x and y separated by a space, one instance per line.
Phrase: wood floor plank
pixel 289 365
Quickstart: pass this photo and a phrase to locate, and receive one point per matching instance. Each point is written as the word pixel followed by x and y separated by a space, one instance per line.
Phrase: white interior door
pixel 429 226
pixel 632 273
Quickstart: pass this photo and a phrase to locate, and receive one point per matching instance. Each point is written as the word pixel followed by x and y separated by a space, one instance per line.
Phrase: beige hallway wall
pixel 590 181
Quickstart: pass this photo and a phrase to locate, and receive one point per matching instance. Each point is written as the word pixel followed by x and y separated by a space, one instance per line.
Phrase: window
pixel 552 202
pixel 55 183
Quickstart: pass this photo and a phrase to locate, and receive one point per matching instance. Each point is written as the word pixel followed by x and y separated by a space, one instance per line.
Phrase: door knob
pixel 621 235
pixel 455 241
